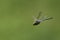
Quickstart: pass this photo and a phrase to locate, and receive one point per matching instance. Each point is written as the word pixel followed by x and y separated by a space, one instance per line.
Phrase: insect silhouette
pixel 38 21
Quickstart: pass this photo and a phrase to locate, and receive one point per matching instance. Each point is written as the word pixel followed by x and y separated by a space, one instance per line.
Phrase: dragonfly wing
pixel 39 15
pixel 48 18
pixel 34 18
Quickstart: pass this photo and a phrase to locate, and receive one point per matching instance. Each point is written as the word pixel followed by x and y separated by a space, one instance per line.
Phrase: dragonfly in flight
pixel 38 21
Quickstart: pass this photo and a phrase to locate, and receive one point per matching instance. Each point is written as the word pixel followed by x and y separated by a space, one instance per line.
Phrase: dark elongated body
pixel 36 23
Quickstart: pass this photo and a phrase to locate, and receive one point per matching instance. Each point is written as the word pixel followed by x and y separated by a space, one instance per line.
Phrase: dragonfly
pixel 37 19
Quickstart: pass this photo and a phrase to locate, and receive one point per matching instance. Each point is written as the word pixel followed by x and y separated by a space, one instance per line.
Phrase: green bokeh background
pixel 16 20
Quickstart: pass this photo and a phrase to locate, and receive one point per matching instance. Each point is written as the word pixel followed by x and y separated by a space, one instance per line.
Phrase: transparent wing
pixel 39 15
pixel 34 18
pixel 47 18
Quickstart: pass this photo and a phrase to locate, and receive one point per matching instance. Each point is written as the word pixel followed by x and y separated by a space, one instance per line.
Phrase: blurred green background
pixel 16 20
